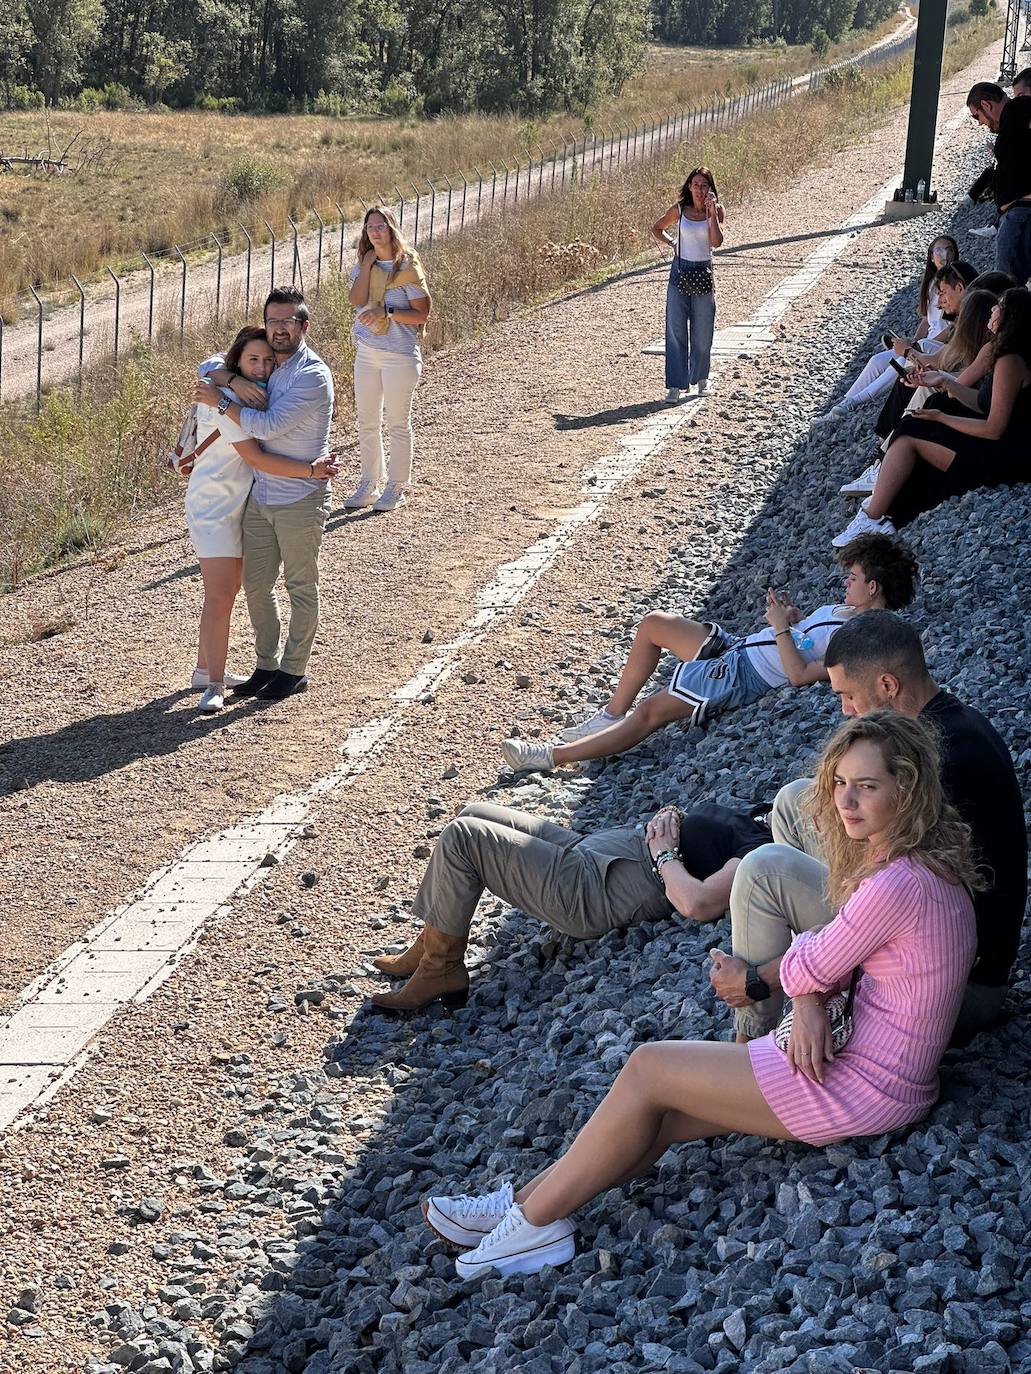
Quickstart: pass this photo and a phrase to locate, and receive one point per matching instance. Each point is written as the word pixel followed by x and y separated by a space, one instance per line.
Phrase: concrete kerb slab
pixel 125 957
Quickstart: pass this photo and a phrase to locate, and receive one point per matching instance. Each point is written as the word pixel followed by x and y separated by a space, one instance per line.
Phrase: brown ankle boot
pixel 401 965
pixel 441 975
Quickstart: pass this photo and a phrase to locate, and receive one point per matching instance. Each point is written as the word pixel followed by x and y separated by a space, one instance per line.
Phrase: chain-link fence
pixel 64 329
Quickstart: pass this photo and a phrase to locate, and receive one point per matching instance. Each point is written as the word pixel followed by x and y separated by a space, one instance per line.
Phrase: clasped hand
pixel 663 830
pixel 810 1045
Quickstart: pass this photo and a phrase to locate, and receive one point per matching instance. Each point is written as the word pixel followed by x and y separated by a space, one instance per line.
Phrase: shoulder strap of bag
pixel 852 990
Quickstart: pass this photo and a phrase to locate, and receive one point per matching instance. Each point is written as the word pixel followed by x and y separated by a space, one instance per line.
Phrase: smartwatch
pixel 755 987
pixel 224 404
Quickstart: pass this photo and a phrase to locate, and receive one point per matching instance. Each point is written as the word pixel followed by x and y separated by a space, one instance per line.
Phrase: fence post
pixel 418 198
pixel 295 269
pixel 479 189
pixel 82 322
pixel 218 279
pixel 554 165
pixel 340 264
pixel 150 302
pixel 465 197
pixel 39 345
pixel 182 298
pixel 118 306
pixel 400 206
pixel 272 268
pixel 447 226
pixel 318 265
pixel 247 282
pixel 540 172
pixel 493 183
pixel 433 207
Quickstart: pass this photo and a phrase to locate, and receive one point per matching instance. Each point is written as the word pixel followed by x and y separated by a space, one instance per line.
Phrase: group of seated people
pixel 884 896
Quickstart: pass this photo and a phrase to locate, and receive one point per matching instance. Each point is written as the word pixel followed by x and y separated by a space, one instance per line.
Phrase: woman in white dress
pixel 220 483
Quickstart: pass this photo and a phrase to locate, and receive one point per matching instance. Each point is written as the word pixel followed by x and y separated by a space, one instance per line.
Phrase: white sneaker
pixel 986 231
pixel 832 416
pixel 674 394
pixel 864 483
pixel 516 1247
pixel 393 496
pixel 466 1220
pixel 213 700
pixel 601 720
pixel 528 756
pixel 199 679
pixel 364 495
pixel 862 524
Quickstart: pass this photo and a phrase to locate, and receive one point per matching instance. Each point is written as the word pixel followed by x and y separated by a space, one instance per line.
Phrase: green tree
pixel 15 46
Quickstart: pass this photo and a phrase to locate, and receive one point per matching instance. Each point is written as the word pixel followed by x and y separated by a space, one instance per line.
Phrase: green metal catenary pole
pixel 923 102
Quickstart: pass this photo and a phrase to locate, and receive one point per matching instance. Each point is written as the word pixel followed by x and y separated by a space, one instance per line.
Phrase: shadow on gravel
pixel 102 744
pixel 733 1255
pixel 738 248
pixel 620 415
pixel 176 575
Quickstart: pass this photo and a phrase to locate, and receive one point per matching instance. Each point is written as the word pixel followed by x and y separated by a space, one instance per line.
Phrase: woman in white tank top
pixel 692 227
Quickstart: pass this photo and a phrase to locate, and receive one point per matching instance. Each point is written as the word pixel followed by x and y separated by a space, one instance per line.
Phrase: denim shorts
pixel 717 684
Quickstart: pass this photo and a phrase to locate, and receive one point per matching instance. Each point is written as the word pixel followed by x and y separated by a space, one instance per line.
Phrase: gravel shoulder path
pixel 277 1194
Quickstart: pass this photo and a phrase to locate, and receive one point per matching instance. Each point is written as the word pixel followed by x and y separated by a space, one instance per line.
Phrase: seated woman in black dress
pixel 935 455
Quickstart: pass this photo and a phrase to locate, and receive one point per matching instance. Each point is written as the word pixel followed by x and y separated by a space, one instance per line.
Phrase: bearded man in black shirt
pixel 876 661
pixel 1010 120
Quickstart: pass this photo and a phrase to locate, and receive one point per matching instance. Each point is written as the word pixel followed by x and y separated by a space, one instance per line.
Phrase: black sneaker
pixel 283 685
pixel 258 679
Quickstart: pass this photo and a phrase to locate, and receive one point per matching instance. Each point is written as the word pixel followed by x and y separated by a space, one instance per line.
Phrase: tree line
pixel 335 56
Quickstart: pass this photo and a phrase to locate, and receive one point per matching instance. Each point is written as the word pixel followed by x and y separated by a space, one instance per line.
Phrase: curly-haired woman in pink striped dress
pixel 900 869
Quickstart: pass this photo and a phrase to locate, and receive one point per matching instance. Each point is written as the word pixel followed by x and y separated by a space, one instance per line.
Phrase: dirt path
pixel 172 305
pixel 99 789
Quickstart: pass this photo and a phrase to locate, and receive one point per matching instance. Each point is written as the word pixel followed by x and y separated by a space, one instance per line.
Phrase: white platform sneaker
pixel 861 523
pixel 364 495
pixel 864 483
pixel 466 1220
pixel 528 755
pixel 601 720
pixel 516 1247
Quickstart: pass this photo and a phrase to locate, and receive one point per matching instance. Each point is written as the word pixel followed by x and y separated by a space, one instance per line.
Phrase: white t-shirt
pixel 811 636
pixel 935 321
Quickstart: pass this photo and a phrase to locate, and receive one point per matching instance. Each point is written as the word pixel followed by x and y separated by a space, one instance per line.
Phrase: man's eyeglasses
pixel 289 319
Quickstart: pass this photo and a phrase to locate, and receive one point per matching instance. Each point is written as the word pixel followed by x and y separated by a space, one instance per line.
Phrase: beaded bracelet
pixel 663 858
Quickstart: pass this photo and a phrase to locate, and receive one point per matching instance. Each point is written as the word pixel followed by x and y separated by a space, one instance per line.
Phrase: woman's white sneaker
pixel 528 756
pixel 213 700
pixel 200 679
pixel 364 495
pixel 601 720
pixel 516 1247
pixel 862 524
pixel 864 483
pixel 466 1220
pixel 393 497
pixel 673 395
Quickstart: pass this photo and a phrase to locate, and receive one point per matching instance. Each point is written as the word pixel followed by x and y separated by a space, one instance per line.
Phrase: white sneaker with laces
pixel 601 720
pixel 673 395
pixel 516 1247
pixel 986 231
pixel 213 700
pixel 466 1220
pixel 200 679
pixel 864 483
pixel 862 523
pixel 528 755
pixel 393 496
pixel 363 496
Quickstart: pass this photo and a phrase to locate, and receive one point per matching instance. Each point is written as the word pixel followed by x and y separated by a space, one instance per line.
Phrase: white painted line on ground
pixel 130 952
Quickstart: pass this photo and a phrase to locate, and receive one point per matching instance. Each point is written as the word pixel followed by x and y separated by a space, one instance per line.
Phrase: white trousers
pixel 384 384
pixel 878 376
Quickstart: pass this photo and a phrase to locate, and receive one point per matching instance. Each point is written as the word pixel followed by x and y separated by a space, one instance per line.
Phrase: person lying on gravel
pixel 935 455
pixel 877 662
pixel 583 885
pixel 716 671
pixel 899 863
pixel 877 376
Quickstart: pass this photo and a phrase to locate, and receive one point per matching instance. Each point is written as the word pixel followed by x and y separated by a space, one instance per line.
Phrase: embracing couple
pixel 258 498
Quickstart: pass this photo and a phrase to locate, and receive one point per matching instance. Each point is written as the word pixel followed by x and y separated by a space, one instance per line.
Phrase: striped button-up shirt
pixel 295 424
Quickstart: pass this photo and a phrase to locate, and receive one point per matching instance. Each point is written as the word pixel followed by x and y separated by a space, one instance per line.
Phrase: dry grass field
pixel 172 177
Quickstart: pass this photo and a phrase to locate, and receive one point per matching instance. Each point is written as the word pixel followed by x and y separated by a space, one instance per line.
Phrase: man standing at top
pixel 285 516
pixel 1010 121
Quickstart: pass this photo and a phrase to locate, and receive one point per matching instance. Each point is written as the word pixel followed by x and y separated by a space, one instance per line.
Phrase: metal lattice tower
pixel 1018 21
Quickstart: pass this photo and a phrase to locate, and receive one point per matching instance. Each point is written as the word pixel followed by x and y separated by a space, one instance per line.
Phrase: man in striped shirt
pixel 877 661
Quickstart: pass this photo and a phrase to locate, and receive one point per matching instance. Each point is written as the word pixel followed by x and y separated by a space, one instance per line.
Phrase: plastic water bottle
pixel 909 194
pixel 921 190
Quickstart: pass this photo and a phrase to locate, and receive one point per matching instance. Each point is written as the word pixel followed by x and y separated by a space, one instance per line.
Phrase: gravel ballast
pixel 902 1252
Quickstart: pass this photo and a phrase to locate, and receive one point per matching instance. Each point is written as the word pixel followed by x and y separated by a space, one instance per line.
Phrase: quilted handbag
pixel 694 278
pixel 839 1011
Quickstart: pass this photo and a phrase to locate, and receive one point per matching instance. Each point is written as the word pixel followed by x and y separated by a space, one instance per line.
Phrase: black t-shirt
pixel 1012 180
pixel 979 779
pixel 710 835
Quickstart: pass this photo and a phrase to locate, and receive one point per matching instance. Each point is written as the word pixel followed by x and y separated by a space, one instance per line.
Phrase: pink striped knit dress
pixel 914 935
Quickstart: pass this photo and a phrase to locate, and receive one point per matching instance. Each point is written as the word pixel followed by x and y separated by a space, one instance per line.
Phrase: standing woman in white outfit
pixel 691 292
pixel 220 481
pixel 392 303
